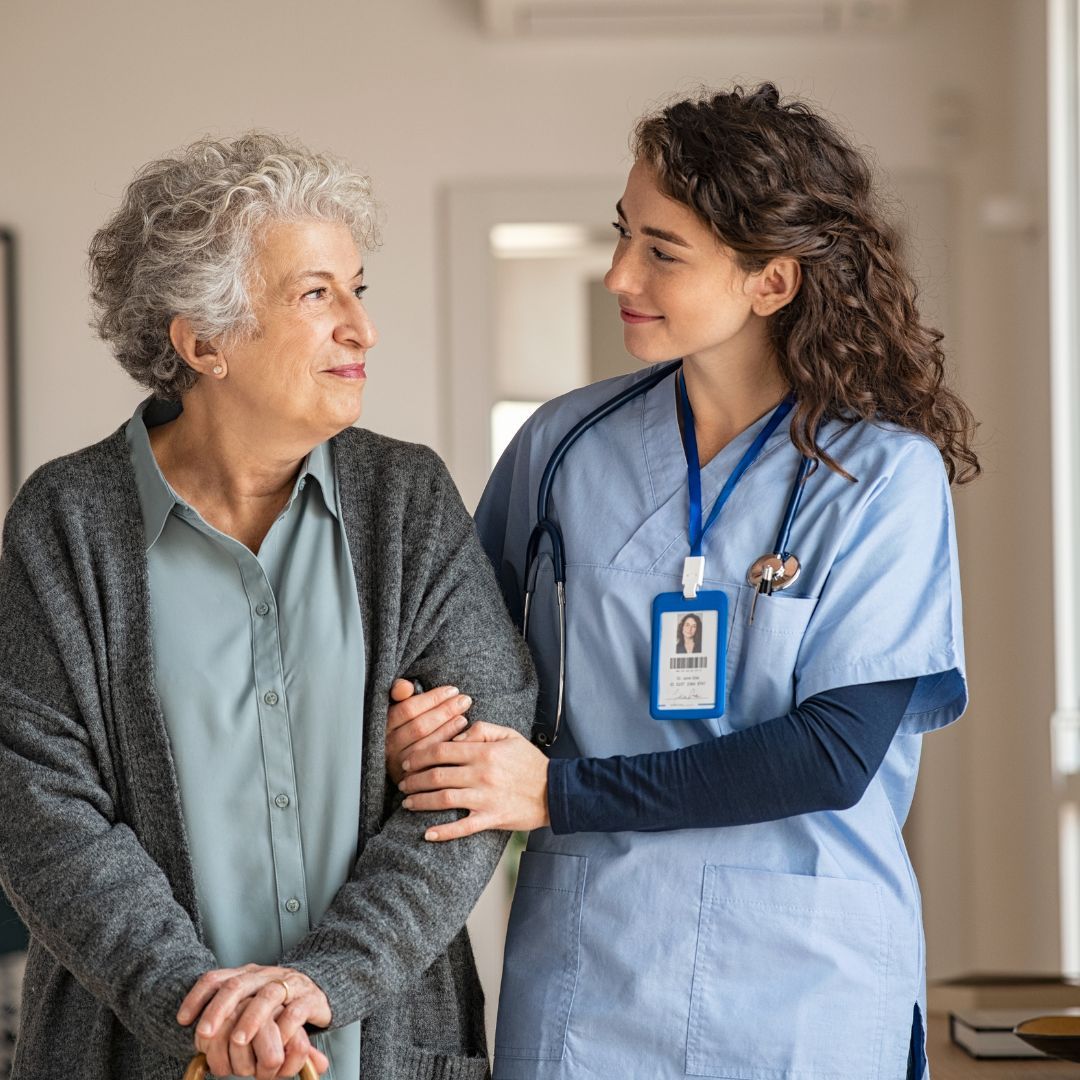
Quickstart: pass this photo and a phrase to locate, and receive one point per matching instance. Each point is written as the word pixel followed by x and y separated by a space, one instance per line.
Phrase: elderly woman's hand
pixel 491 771
pixel 252 1021
pixel 419 720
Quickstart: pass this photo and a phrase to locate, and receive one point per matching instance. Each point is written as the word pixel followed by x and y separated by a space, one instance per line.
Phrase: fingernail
pixel 461 722
pixel 240 1038
pixel 464 701
pixel 408 804
pixel 431 834
pixel 451 691
pixel 206 1029
pixel 405 766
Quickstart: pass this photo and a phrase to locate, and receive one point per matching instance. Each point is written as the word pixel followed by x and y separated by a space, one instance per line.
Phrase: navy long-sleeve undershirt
pixel 820 756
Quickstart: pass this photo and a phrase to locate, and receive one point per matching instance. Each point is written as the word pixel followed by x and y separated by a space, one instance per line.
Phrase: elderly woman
pixel 203 617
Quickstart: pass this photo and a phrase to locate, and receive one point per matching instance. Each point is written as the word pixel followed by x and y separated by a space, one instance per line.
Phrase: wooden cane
pixel 197 1069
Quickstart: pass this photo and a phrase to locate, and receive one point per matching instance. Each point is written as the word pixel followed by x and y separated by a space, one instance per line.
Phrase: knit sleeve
pixel 75 871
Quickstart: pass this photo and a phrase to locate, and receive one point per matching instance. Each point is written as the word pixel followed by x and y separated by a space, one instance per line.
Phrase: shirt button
pixel 262 609
pixel 270 697
pixel 302 483
pixel 292 906
pixel 282 800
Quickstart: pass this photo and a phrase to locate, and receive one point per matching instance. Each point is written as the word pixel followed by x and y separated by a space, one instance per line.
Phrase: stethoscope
pixel 767 573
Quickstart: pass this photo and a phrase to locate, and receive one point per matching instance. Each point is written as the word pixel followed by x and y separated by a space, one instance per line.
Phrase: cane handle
pixel 197 1069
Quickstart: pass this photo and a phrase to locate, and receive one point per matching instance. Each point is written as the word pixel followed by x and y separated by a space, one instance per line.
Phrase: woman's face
pixel 304 370
pixel 689 628
pixel 680 292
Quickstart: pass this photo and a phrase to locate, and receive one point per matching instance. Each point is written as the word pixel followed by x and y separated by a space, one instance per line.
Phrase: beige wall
pixel 411 91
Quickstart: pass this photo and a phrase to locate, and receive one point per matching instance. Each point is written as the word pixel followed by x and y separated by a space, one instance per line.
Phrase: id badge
pixel 689 656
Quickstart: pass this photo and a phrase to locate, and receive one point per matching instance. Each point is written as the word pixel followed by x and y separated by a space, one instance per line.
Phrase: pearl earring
pixel 218 369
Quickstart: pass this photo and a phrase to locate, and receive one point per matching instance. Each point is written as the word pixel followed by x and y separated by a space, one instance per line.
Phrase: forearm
pixel 820 756
pixel 406 898
pixel 406 901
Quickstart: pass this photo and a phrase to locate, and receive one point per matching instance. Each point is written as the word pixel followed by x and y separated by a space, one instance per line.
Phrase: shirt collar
pixel 157 499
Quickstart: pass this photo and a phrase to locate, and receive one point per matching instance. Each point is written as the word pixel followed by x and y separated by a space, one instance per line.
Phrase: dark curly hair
pixel 772 178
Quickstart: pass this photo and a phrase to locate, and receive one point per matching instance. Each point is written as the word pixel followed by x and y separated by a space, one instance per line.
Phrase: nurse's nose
pixel 623 278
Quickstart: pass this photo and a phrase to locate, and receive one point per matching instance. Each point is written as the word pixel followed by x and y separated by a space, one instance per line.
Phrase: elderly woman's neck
pixel 238 475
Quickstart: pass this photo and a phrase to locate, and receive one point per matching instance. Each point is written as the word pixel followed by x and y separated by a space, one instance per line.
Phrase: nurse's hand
pixel 491 771
pixel 421 720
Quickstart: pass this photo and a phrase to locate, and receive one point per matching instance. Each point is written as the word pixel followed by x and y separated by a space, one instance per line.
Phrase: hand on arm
pixel 252 1021
pixel 493 772
pixel 420 720
pixel 821 756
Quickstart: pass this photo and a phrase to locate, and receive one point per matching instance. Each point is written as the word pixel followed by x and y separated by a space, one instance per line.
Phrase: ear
pixel 776 285
pixel 201 356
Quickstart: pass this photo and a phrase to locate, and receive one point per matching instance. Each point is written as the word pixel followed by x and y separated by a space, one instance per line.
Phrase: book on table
pixel 988 1033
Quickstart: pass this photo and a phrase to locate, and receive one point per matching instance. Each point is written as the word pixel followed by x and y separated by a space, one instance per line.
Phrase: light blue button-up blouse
pixel 259 663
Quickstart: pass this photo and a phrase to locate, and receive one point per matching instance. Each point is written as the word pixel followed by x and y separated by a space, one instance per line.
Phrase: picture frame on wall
pixel 8 371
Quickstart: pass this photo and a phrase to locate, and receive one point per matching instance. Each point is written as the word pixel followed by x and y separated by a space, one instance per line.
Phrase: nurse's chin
pixel 647 353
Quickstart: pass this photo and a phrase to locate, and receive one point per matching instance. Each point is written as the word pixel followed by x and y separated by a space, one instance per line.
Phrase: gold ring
pixel 285 986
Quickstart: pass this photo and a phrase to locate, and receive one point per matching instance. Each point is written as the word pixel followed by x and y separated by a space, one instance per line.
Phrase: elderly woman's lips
pixel 348 371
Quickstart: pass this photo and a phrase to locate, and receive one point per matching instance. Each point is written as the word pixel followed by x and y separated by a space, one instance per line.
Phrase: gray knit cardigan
pixel 92 845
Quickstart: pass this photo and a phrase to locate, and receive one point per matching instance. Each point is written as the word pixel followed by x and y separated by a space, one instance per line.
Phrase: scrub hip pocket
pixel 789 978
pixel 540 967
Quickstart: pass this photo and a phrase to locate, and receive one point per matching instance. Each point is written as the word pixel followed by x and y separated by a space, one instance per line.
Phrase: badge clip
pixel 693 575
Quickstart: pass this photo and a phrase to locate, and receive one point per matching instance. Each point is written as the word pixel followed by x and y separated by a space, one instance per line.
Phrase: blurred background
pixel 496 133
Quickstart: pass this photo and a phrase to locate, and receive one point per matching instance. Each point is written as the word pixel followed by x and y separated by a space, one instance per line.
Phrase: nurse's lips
pixel 348 371
pixel 628 315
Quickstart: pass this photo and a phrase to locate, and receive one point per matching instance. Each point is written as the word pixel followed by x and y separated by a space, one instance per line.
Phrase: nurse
pixel 716 883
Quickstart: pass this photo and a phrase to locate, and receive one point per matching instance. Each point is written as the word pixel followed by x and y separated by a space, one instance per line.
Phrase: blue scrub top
pixel 786 950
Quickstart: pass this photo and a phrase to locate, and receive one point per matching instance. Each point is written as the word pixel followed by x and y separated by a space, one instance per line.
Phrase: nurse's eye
pixel 359 291
pixel 661 256
pixel 621 229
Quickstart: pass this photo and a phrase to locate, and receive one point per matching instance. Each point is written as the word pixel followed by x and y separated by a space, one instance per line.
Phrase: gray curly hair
pixel 183 242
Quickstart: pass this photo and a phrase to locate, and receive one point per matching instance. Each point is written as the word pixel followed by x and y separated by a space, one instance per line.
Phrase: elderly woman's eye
pixel 359 291
pixel 316 294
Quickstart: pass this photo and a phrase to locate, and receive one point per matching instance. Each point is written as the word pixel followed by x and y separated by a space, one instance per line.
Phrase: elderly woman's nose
pixel 356 325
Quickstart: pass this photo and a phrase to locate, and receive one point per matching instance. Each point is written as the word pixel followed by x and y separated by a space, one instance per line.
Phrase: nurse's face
pixel 680 292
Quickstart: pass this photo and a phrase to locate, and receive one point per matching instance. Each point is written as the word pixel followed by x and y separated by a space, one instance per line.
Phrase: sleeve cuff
pixel 557 797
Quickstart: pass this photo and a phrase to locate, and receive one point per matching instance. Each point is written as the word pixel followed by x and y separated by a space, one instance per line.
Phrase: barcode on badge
pixel 686 663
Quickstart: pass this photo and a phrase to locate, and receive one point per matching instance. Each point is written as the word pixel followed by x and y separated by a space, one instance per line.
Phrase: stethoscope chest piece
pixel 777 573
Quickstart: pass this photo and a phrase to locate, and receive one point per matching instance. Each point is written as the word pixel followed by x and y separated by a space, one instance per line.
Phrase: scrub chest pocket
pixel 542 944
pixel 763 655
pixel 789 978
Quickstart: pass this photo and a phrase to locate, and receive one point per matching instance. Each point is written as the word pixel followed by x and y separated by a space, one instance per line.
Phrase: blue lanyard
pixel 693 466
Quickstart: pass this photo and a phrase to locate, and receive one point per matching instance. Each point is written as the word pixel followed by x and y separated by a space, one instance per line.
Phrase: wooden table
pixel 949 1062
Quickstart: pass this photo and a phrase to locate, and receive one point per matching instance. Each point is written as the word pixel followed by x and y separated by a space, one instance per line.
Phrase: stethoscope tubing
pixel 783 537
pixel 544 524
